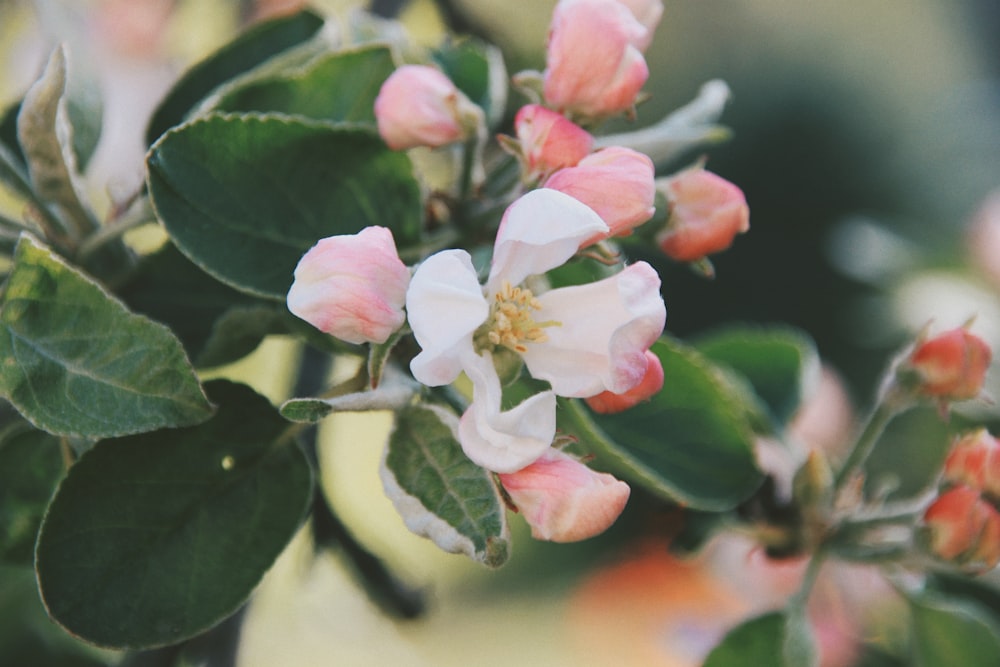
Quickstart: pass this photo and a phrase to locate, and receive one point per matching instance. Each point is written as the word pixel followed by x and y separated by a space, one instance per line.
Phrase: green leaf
pixel 46 138
pixel 691 443
pixel 8 134
pixel 30 468
pixel 338 87
pixel 242 54
pixel 245 196
pixel 908 457
pixel 478 70
pixel 773 639
pixel 781 364
pixel 946 633
pixel 154 538
pixel 439 492
pixel 77 363
pixel 977 590
pixel 216 323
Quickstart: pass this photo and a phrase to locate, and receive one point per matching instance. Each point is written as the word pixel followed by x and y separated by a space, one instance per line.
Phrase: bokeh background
pixel 866 136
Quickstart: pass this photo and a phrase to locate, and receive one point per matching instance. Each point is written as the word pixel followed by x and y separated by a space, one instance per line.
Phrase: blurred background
pixel 867 141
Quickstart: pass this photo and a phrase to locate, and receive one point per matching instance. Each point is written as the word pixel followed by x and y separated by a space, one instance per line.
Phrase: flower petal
pixel 605 329
pixel 445 305
pixel 563 500
pixel 503 441
pixel 539 232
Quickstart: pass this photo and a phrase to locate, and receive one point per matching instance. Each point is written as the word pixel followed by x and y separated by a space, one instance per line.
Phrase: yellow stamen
pixel 511 322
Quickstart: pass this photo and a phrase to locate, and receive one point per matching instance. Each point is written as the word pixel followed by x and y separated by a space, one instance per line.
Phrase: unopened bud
pixel 706 214
pixel 951 366
pixel 617 183
pixel 420 106
pixel 548 141
pixel 964 529
pixel 352 287
pixel 563 500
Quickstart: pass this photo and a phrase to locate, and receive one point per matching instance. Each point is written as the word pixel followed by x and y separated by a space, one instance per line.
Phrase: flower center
pixel 511 322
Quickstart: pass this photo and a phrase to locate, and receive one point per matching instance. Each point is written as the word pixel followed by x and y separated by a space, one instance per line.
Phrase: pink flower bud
pixel 420 106
pixel 608 403
pixel 617 183
pixel 352 287
pixel 648 13
pixel 563 500
pixel 706 214
pixel 549 141
pixel 952 365
pixel 974 460
pixel 594 66
pixel 964 528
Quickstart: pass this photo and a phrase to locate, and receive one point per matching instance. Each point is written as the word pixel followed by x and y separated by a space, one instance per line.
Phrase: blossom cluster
pixel 589 341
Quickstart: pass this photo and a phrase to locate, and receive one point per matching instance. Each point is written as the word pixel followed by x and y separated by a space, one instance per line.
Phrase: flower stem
pixel 884 412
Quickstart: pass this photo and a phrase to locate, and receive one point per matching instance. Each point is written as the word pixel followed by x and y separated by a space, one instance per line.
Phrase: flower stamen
pixel 511 322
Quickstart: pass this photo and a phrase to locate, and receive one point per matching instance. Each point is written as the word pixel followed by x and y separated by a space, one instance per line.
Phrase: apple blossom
pixel 706 214
pixel 352 286
pixel 609 402
pixel 548 141
pixel 594 65
pixel 582 339
pixel 618 183
pixel 420 106
pixel 950 366
pixel 563 500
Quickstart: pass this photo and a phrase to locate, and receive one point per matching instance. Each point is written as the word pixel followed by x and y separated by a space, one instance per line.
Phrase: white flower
pixel 583 339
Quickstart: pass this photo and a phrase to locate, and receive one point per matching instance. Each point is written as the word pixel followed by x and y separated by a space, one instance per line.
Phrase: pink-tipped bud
pixel 952 365
pixel 652 382
pixel 617 183
pixel 549 141
pixel 352 287
pixel 964 529
pixel 419 106
pixel 706 214
pixel 594 66
pixel 974 460
pixel 563 500
pixel 648 13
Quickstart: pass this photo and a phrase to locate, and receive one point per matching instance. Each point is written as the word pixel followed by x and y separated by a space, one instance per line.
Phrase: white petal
pixel 504 441
pixel 605 329
pixel 445 305
pixel 539 232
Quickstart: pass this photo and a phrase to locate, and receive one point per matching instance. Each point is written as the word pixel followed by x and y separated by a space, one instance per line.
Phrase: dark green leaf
pixel 477 68
pixel 154 538
pixel 245 196
pixel 946 633
pixel 773 639
pixel 77 363
pixel 976 590
pixel 30 467
pixel 242 54
pixel 692 443
pixel 216 323
pixel 337 87
pixel 781 364
pixel 439 492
